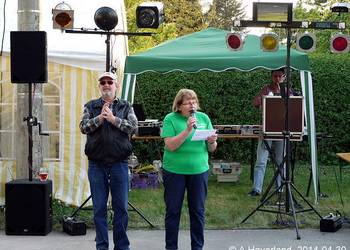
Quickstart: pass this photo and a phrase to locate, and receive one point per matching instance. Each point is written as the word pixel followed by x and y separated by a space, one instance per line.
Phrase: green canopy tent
pixel 207 50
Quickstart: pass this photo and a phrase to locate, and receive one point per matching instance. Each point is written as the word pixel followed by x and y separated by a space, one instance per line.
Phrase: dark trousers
pixel 103 179
pixel 174 191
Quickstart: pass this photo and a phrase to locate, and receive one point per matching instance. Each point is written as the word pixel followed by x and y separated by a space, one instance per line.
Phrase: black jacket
pixel 108 144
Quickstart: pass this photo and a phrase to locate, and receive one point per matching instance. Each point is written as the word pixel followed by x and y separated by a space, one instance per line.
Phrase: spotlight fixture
pixel 106 18
pixel 306 42
pixel 62 16
pixel 340 7
pixel 340 44
pixel 149 15
pixel 234 41
pixel 269 42
pixel 273 12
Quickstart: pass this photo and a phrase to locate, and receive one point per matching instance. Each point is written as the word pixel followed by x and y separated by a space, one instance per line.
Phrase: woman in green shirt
pixel 185 167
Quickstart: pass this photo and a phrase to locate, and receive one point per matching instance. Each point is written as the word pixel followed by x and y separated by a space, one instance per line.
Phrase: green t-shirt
pixel 192 156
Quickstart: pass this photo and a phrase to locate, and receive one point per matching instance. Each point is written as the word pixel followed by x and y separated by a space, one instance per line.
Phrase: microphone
pixel 193 114
pixel 283 90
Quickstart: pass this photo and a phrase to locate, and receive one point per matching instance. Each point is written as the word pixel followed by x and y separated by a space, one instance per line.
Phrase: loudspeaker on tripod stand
pixel 28 57
pixel 28 208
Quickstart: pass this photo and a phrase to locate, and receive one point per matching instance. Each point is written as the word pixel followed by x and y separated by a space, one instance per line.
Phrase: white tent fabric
pixel 74 63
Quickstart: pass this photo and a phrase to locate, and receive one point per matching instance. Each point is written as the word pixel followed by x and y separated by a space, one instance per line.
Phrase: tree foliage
pixel 223 12
pixel 181 17
pixel 185 14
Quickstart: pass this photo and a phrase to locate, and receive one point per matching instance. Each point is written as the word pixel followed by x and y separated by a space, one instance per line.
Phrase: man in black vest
pixel 108 123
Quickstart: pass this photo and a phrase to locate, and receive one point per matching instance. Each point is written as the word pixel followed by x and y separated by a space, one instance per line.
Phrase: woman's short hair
pixel 181 96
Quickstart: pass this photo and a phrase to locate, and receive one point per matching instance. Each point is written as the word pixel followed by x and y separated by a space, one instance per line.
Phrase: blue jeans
pixel 102 179
pixel 261 160
pixel 174 191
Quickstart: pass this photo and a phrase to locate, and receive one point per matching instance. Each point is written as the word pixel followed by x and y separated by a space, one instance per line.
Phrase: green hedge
pixel 227 98
pixel 331 78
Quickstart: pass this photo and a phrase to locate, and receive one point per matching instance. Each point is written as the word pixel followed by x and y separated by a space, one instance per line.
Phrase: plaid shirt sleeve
pixel 128 125
pixel 88 124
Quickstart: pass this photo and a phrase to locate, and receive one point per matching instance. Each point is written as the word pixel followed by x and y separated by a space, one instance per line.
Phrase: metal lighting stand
pixel 108 65
pixel 286 181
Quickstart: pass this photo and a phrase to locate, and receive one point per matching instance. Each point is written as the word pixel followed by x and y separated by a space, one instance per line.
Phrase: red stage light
pixel 62 16
pixel 340 44
pixel 234 41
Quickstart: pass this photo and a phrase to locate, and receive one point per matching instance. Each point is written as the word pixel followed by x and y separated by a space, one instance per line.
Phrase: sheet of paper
pixel 200 135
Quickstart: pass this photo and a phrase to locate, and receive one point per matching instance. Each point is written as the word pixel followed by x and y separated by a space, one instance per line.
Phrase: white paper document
pixel 200 135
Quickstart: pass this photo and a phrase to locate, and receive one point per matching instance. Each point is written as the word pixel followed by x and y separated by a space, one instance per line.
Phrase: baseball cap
pixel 107 74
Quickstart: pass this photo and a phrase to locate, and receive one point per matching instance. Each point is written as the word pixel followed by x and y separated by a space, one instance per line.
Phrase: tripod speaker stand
pixel 133 208
pixel 286 180
pixel 29 202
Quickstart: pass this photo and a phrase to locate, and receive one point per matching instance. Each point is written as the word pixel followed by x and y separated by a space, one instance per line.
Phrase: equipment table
pixel 344 156
pixel 252 137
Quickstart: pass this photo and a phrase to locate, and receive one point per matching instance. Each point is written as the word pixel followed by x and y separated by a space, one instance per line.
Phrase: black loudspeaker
pixel 28 207
pixel 28 57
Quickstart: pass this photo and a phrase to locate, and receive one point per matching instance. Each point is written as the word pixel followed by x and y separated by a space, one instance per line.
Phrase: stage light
pixel 340 7
pixel 273 12
pixel 149 15
pixel 306 42
pixel 269 42
pixel 234 41
pixel 62 16
pixel 340 43
pixel 106 18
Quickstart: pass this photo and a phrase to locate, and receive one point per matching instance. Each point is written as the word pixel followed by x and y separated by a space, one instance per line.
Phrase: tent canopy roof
pixel 207 50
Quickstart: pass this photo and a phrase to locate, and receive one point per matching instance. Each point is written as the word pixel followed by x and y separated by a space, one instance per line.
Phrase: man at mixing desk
pixel 273 88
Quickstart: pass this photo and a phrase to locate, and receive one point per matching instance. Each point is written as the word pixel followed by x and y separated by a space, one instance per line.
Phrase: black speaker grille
pixel 28 207
pixel 28 57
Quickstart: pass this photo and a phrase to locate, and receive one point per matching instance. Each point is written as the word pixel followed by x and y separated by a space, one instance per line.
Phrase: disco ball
pixel 106 18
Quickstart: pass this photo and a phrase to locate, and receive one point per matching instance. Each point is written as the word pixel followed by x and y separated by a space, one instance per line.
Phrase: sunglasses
pixel 108 82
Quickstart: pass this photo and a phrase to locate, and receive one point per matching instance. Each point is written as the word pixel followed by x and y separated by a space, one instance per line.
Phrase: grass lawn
pixel 228 203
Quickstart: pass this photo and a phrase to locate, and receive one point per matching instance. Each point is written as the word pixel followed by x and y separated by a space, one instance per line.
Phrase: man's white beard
pixel 107 95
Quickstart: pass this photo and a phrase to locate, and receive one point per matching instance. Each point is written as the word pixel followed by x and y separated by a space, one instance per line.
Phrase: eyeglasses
pixel 189 103
pixel 108 82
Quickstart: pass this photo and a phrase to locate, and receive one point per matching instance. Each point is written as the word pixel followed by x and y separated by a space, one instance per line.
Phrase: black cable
pixel 339 190
pixel 114 39
pixel 3 30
